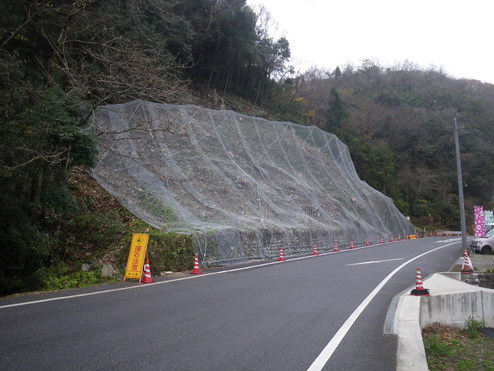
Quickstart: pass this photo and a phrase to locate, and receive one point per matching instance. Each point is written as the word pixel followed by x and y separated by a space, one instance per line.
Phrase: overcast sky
pixel 454 35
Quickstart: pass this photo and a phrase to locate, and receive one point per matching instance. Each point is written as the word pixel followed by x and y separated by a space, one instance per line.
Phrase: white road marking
pixel 449 240
pixel 329 349
pixel 172 280
pixel 178 279
pixel 130 287
pixel 374 262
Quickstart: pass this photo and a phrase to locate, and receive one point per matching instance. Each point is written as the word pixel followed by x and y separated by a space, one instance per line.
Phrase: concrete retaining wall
pixel 455 309
pixel 480 279
pixel 451 302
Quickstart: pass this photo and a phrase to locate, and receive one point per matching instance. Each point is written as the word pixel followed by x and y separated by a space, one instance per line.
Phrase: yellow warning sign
pixel 413 237
pixel 137 253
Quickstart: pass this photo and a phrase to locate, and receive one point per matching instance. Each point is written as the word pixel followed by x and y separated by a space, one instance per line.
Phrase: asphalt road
pixel 273 317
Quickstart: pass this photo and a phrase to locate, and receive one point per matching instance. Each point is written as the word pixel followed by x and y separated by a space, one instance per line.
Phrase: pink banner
pixel 479 221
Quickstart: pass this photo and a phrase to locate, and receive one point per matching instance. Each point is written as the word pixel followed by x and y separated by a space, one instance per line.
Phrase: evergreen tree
pixel 337 116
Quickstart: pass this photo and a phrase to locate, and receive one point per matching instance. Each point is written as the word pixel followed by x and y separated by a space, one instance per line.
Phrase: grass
pixel 451 348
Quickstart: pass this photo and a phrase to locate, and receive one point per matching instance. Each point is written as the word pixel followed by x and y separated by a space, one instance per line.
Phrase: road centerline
pixel 374 262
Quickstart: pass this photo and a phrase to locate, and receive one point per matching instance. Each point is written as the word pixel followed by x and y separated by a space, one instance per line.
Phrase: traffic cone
pixel 419 288
pixel 399 238
pixel 315 250
pixel 335 249
pixel 351 244
pixel 367 243
pixel 196 269
pixel 282 257
pixel 392 239
pixel 382 239
pixel 147 273
pixel 467 266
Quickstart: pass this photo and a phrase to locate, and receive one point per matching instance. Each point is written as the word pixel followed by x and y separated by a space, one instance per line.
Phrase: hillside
pixel 398 125
pixel 60 60
pixel 244 187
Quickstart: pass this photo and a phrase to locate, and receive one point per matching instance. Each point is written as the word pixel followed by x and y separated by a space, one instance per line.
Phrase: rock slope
pixel 243 186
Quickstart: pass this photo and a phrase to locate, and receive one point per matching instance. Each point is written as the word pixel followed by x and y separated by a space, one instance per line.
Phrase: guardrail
pixel 451 233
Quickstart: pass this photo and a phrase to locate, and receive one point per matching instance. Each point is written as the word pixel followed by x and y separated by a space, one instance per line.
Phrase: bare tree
pixel 98 60
pixel 124 71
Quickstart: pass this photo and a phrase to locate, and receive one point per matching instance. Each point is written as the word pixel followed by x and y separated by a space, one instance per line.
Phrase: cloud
pixel 454 34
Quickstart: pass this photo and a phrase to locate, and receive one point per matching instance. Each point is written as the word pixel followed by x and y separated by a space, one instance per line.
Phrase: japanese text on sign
pixel 137 253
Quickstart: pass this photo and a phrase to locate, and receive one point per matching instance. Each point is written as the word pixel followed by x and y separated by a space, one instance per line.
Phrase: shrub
pixel 58 278
pixel 473 328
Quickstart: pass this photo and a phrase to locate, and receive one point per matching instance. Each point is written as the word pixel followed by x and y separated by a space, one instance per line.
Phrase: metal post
pixel 460 189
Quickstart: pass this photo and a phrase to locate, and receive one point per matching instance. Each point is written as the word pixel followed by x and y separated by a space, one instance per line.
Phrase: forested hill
pixel 398 124
pixel 60 59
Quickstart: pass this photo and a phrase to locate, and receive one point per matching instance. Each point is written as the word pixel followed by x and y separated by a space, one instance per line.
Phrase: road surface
pixel 323 312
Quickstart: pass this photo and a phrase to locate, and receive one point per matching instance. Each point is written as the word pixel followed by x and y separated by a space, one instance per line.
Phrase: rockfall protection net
pixel 242 186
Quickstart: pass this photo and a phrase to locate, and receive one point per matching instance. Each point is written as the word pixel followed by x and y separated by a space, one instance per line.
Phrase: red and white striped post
pixel 419 287
pixel 314 252
pixel 196 269
pixel 335 248
pixel 282 256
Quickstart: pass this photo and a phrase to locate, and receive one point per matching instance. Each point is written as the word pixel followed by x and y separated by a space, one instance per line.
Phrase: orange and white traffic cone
pixel 419 287
pixel 467 266
pixel 315 250
pixel 196 269
pixel 282 256
pixel 335 248
pixel 352 246
pixel 367 243
pixel 147 273
pixel 392 239
pixel 382 239
pixel 399 238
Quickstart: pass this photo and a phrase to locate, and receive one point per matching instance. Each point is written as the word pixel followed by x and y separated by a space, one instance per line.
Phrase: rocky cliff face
pixel 244 186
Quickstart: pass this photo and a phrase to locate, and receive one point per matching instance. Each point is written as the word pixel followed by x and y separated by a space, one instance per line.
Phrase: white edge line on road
pixel 147 285
pixel 174 280
pixel 329 349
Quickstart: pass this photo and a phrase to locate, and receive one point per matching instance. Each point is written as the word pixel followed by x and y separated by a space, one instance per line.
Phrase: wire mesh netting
pixel 244 187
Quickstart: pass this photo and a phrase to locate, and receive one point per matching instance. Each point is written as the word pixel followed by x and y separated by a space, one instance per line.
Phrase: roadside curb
pixel 410 353
pixel 451 302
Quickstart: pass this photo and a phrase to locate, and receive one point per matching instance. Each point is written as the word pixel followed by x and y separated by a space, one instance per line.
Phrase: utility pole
pixel 460 188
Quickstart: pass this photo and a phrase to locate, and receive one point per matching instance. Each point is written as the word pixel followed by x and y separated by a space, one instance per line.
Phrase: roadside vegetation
pixel 98 235
pixel 60 59
pixel 451 348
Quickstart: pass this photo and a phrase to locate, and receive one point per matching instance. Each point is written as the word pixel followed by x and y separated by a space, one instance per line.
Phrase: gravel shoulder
pixel 482 263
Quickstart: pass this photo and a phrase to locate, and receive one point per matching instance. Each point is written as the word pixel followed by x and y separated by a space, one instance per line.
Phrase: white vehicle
pixel 483 245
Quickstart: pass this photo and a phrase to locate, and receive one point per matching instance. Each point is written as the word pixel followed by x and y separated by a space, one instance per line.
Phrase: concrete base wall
pixel 456 309
pixel 453 302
